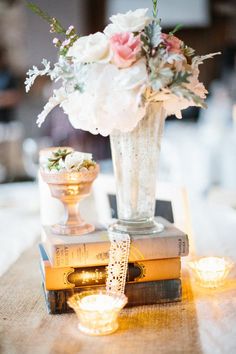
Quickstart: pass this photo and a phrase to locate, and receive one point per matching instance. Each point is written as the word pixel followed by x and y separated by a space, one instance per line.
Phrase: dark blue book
pixel 148 293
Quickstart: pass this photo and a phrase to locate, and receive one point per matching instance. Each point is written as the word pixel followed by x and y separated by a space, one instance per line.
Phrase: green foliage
pixel 184 92
pixel 181 77
pixel 179 89
pixel 160 77
pixel 56 26
pixel 152 35
pixel 177 28
pixel 53 162
pixel 79 87
pixel 154 12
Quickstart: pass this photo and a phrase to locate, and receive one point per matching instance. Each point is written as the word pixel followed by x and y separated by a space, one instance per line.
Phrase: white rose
pixel 73 161
pixel 132 21
pixel 91 49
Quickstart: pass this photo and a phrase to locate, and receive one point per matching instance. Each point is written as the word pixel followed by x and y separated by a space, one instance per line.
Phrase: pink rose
pixel 125 47
pixel 172 43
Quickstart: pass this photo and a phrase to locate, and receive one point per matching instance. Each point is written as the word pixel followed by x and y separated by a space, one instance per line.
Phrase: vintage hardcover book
pixel 93 249
pixel 142 271
pixel 148 293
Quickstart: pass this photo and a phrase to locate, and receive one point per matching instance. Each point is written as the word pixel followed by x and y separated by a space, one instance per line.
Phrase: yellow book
pixel 142 271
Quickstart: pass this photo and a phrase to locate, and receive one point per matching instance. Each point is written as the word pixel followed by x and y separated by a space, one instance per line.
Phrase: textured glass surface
pixel 211 272
pixel 97 311
pixel 135 159
pixel 70 188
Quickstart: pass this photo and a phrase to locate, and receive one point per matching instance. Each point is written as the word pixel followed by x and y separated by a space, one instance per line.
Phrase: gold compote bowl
pixel 70 187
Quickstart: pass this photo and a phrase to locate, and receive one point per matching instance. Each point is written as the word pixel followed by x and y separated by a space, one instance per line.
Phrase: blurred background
pixel 198 151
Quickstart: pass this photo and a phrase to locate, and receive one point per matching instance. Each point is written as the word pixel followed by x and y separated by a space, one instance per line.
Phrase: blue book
pixel 146 293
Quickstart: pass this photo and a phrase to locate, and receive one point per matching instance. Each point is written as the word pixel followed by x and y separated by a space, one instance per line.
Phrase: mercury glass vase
pixel 135 158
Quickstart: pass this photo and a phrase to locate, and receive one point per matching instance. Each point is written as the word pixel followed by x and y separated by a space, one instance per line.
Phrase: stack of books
pixel 71 264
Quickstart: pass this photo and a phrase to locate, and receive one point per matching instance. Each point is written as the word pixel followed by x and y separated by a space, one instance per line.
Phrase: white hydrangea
pixel 111 99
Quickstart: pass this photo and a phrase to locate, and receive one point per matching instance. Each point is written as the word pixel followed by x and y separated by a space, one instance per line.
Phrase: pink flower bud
pixel 55 40
pixel 172 43
pixel 70 29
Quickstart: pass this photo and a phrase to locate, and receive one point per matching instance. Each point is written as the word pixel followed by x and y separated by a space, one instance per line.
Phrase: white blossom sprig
pixel 58 97
pixel 55 25
pixel 199 59
pixel 33 73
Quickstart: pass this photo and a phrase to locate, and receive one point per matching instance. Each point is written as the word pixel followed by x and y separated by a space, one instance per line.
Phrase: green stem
pixel 154 2
pixel 44 15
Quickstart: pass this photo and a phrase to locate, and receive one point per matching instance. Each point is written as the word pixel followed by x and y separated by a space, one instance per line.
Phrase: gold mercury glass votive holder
pixel 211 272
pixel 97 311
pixel 70 188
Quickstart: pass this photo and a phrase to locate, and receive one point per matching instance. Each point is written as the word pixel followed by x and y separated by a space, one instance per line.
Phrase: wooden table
pixel 204 322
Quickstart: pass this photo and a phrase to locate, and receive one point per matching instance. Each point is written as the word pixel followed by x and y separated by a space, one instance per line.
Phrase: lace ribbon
pixel 118 262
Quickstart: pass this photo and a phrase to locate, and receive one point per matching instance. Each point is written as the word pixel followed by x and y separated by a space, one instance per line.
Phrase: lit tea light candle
pixel 97 303
pixel 97 311
pixel 210 272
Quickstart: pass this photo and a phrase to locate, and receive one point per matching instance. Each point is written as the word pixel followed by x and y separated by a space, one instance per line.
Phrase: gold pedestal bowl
pixel 70 188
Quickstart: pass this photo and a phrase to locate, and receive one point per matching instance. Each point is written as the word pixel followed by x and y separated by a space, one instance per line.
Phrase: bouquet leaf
pixel 177 28
pixel 184 92
pixel 181 77
pixel 154 12
pixel 153 34
pixel 159 76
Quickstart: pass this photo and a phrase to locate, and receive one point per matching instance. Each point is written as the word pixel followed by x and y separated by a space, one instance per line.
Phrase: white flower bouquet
pixel 108 79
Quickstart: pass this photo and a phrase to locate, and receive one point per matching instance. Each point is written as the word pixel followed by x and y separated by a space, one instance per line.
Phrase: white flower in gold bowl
pixel 75 160
pixel 70 176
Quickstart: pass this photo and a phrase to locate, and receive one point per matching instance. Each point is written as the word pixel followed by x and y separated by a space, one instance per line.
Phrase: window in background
pixel 190 13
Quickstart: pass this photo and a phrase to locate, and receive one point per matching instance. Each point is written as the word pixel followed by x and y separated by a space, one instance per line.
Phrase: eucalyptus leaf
pixel 161 78
pixel 184 92
pixel 153 34
pixel 181 77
